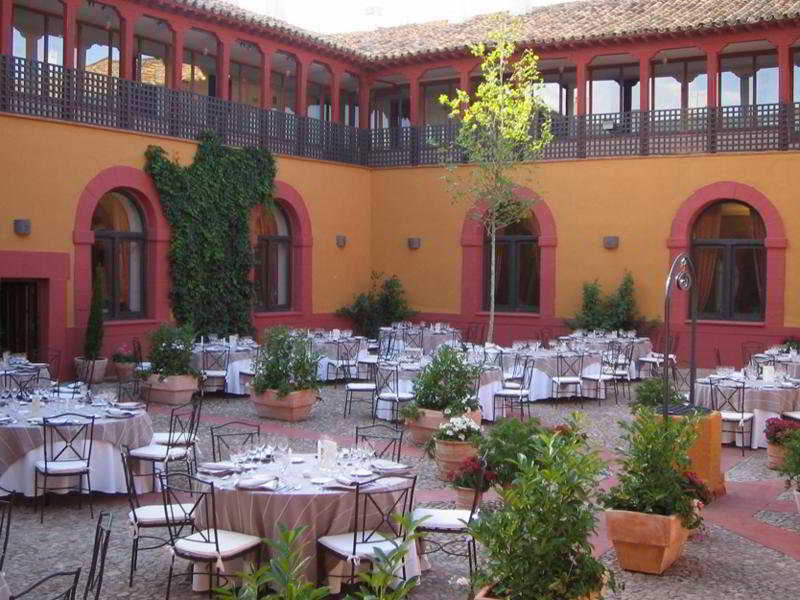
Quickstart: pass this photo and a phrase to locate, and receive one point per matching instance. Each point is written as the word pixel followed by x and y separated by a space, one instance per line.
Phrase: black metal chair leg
pixel 134 551
pixel 169 578
pixel 91 501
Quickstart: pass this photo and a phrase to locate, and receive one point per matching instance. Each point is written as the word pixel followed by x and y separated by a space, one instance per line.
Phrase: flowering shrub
pixel 458 429
pixel 470 475
pixel 171 351
pixel 123 355
pixel 777 430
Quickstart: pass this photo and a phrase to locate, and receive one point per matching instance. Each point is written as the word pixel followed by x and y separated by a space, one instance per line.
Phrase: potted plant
pixel 656 503
pixel 284 376
pixel 791 465
pixel 470 476
pixel 444 388
pixel 171 378
pixel 777 432
pixel 503 444
pixel 93 338
pixel 124 362
pixel 455 441
pixel 537 542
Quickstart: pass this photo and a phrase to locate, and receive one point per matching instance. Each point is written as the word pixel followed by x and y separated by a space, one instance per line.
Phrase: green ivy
pixel 207 206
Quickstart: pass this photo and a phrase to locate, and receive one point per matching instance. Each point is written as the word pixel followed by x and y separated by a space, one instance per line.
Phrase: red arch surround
pixel 296 211
pixel 472 235
pixel 775 243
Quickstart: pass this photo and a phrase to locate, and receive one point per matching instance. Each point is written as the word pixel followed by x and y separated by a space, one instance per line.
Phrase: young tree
pixel 497 135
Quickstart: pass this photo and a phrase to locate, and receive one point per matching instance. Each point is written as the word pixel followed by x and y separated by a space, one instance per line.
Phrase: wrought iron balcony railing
pixel 51 91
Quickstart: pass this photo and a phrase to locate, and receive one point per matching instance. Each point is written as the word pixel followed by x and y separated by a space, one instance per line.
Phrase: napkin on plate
pixel 266 482
pixel 129 405
pixel 387 465
pixel 5 420
pixel 116 413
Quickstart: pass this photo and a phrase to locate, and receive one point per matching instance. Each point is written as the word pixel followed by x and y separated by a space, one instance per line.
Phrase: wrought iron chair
pixel 361 391
pixel 345 366
pixel 718 356
pixel 506 398
pixel 545 335
pixel 569 370
pixel 102 534
pixel 215 370
pixel 412 338
pixel 84 377
pixel 131 390
pixel 23 383
pixel 67 582
pixel 68 440
pixel 224 436
pixel 680 376
pixel 375 526
pixel 211 545
pixel 141 364
pixel 386 441
pixel 387 383
pixel 727 396
pixel 749 349
pixel 54 366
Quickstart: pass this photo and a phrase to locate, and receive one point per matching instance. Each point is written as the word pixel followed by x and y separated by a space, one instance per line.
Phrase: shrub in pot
pixel 444 388
pixel 503 444
pixel 791 465
pixel 657 501
pixel 93 338
pixel 537 542
pixel 124 362
pixel 284 376
pixel 455 441
pixel 171 378
pixel 777 431
pixel 471 476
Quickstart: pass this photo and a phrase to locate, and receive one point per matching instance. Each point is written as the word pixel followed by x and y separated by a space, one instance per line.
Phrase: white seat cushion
pixel 63 467
pixel 566 380
pixel 735 416
pixel 512 385
pixel 342 544
pixel 214 373
pixel 650 359
pixel 441 518
pixel 599 377
pixel 511 392
pixel 154 514
pixel 180 438
pixel 391 396
pixel 157 452
pixel 361 387
pixel 230 543
pixel 792 415
pixel 342 363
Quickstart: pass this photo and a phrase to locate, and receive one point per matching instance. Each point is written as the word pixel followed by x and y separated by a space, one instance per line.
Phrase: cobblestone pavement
pixel 749 556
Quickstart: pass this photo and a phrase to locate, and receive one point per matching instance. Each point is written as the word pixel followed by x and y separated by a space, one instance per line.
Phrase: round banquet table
pixel 760 398
pixel 21 445
pixel 323 511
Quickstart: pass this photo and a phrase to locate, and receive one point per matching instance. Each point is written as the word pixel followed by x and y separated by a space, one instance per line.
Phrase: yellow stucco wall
pixel 46 165
pixel 633 198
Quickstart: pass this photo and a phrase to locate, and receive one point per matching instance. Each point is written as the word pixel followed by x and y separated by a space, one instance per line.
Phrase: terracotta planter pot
pixel 775 455
pixel 294 406
pixel 796 495
pixel 100 366
pixel 465 497
pixel 428 421
pixel 124 370
pixel 450 454
pixel 646 543
pixel 175 389
pixel 705 455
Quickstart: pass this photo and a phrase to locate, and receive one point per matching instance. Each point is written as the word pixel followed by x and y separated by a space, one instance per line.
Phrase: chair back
pixel 728 395
pixel 130 480
pixel 386 343
pixel 216 359
pixel 750 348
pixel 137 352
pixel 5 529
pixel 680 376
pixel 183 423
pixel 86 373
pixel 347 355
pixel 130 390
pixel 102 534
pixel 187 499
pixel 386 441
pixel 412 338
pixel 24 382
pixel 718 356
pixel 387 378
pixel 66 582
pixel 569 365
pixel 225 436
pixel 545 335
pixel 67 437
pixel 54 365
pixel 377 504
pixel 527 372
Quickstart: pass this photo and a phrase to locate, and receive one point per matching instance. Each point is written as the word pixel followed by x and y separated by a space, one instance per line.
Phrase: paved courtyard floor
pixel 749 549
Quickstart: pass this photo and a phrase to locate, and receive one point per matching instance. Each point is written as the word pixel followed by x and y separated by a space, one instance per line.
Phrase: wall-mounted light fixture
pixel 341 240
pixel 22 226
pixel 611 242
pixel 414 243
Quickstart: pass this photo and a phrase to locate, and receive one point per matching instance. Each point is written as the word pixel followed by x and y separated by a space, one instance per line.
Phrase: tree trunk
pixel 492 275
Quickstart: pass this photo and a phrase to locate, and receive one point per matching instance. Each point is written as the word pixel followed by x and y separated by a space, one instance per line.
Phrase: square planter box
pixel 646 543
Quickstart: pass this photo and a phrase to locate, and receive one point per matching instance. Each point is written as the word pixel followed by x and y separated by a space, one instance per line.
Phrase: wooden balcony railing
pixel 50 91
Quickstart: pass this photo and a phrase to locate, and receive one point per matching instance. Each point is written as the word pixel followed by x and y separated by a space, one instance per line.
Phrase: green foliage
pixel 653 478
pixel 171 350
pixel 385 303
pixel 495 135
pixel 791 344
pixel 93 341
pixel 791 463
pixel 617 311
pixel 377 583
pixel 286 364
pixel 651 393
pixel 537 542
pixel 208 206
pixel 283 574
pixel 447 383
pixel 505 442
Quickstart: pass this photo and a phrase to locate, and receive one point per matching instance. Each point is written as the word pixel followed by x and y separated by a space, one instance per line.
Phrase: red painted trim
pixel 472 236
pixel 53 268
pixel 775 242
pixel 6 20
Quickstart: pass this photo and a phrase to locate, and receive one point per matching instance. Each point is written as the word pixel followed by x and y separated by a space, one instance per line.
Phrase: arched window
pixel 729 255
pixel 517 267
pixel 273 262
pixel 119 231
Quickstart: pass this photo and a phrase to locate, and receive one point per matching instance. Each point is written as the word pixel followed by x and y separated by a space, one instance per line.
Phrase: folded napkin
pixel 218 466
pixel 5 419
pixel 260 482
pixel 117 413
pixel 388 465
pixel 129 405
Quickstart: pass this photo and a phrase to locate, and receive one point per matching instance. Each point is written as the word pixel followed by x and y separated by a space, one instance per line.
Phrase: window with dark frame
pixel 273 263
pixel 730 260
pixel 517 268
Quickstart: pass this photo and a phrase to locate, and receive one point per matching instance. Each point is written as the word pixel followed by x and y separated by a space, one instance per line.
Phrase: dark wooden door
pixel 19 316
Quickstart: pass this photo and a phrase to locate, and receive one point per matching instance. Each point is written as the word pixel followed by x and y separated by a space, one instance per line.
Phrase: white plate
pixel 320 480
pixel 361 473
pixel 296 460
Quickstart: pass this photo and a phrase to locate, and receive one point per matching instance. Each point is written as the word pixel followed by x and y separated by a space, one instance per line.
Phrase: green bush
pixel 655 477
pixel 385 303
pixel 286 364
pixel 651 393
pixel 617 311
pixel 447 383
pixel 93 341
pixel 171 350
pixel 537 543
pixel 791 463
pixel 505 442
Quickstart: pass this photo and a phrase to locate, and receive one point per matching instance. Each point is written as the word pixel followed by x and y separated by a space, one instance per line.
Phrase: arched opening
pixel 727 245
pixel 517 267
pixel 119 249
pixel 245 73
pixel 273 264
pixel 318 92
